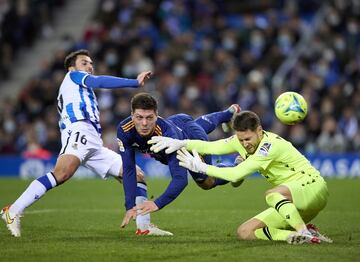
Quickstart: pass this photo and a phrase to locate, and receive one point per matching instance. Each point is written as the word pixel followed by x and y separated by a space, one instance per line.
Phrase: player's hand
pixel 146 207
pixel 162 142
pixel 142 77
pixel 192 162
pixel 130 214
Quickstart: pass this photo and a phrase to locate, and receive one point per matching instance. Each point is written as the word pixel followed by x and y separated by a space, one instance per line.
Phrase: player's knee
pixel 62 173
pixel 244 232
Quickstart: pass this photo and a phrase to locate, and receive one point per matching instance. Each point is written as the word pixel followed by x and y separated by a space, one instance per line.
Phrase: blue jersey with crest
pixel 179 126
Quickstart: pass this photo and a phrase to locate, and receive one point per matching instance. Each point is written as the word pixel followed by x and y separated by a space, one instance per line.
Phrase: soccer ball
pixel 290 108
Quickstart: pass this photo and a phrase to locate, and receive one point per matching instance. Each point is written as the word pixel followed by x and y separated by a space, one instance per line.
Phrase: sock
pixel 286 209
pixel 210 121
pixel 271 233
pixel 142 221
pixel 34 192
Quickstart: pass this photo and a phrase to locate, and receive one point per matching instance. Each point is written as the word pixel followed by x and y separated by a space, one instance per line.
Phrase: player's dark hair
pixel 246 120
pixel 70 59
pixel 143 101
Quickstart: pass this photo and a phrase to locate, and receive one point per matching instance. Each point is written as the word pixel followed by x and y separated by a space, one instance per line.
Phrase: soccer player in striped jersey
pixel 144 122
pixel 299 192
pixel 81 139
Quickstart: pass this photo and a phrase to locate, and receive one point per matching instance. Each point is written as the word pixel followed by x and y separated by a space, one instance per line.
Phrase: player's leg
pixel 310 197
pixel 268 225
pixel 210 121
pixel 65 167
pixel 307 195
pixel 280 199
pixel 106 162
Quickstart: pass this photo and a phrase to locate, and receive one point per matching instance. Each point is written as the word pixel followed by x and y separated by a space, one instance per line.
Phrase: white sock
pixel 142 221
pixel 34 192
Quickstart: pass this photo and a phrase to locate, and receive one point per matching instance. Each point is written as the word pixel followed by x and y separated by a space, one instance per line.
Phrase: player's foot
pixel 301 238
pixel 153 231
pixel 12 221
pixel 234 109
pixel 315 232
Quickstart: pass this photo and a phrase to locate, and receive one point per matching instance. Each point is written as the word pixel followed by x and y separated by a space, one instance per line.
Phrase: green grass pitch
pixel 79 221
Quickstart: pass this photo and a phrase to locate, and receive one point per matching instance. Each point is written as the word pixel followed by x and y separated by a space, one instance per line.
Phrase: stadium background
pixel 205 54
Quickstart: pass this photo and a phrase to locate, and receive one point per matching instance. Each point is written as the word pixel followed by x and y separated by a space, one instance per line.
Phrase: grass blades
pixel 79 221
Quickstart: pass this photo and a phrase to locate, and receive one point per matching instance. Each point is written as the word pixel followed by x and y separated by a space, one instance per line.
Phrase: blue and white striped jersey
pixel 76 101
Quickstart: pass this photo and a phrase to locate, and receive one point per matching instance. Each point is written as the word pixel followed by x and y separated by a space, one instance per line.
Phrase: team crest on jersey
pixel 121 145
pixel 264 149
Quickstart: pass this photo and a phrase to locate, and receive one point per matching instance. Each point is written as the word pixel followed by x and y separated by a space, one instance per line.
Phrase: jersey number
pixel 83 139
pixel 60 105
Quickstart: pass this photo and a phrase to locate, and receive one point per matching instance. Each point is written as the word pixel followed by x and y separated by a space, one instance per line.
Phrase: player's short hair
pixel 246 120
pixel 70 59
pixel 143 101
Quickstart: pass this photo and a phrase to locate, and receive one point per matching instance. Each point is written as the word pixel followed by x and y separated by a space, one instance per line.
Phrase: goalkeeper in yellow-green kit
pixel 299 192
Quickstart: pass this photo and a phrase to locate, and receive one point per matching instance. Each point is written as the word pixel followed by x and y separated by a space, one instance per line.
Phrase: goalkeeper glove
pixel 191 162
pixel 162 142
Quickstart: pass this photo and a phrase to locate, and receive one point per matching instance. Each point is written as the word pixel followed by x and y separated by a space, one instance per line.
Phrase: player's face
pixel 250 139
pixel 145 121
pixel 84 63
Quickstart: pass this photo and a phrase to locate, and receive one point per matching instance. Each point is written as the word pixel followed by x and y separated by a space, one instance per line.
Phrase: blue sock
pixel 34 192
pixel 48 181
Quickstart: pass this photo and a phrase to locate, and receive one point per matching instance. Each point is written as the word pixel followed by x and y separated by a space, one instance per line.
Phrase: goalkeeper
pixel 299 192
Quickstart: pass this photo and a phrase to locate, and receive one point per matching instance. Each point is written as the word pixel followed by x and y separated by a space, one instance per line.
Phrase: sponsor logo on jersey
pixel 264 149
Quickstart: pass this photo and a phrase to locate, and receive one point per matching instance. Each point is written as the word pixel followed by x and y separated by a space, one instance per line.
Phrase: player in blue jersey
pixel 81 140
pixel 135 131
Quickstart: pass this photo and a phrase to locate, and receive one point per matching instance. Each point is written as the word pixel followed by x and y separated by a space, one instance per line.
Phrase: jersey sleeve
pixel 109 82
pixel 78 77
pixel 233 174
pixel 129 169
pixel 177 184
pixel 259 161
pixel 102 81
pixel 179 177
pixel 219 147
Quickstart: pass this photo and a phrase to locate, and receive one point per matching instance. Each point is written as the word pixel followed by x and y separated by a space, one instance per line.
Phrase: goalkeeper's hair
pixel 70 59
pixel 144 101
pixel 246 120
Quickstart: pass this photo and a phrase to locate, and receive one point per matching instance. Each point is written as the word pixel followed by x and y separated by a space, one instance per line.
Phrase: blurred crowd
pixel 207 55
pixel 21 23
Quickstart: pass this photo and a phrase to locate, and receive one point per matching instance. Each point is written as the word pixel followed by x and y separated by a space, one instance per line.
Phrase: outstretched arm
pixel 219 147
pixel 108 82
pixel 233 174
